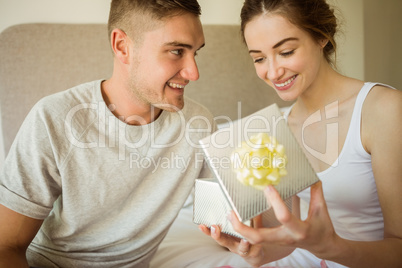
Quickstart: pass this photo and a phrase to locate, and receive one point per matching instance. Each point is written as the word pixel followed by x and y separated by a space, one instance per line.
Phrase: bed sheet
pixel 185 246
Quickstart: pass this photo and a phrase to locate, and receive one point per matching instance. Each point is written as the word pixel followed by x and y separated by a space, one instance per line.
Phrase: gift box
pixel 228 190
pixel 211 208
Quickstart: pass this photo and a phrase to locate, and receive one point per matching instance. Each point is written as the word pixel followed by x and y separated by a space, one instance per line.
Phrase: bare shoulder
pixel 381 115
pixel 383 101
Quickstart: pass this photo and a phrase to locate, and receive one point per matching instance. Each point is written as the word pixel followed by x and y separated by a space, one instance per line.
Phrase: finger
pixel 317 201
pixel 215 232
pixel 244 248
pixel 223 239
pixel 250 234
pixel 204 229
pixel 281 211
pixel 318 210
pixel 254 236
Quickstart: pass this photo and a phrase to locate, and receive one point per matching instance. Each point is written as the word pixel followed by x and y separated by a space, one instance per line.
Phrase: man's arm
pixel 16 233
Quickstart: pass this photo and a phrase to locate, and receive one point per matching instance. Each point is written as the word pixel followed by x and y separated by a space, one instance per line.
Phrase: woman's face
pixel 286 57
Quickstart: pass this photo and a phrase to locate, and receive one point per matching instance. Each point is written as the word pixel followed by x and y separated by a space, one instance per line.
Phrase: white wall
pixel 96 11
pixel 350 53
pixel 383 38
pixel 65 11
pixel 213 12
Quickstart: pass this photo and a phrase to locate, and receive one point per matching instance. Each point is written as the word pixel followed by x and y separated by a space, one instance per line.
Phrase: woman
pixel 355 212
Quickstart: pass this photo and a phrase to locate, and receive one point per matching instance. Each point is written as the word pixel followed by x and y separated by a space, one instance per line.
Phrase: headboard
pixel 40 59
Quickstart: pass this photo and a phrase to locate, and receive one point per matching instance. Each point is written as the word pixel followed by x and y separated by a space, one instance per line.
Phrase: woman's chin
pixel 286 96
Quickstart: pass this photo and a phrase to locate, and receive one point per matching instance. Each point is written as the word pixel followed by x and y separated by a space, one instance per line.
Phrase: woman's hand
pixel 315 234
pixel 253 254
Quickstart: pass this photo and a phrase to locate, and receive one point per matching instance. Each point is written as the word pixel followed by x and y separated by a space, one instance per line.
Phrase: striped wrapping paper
pixel 246 201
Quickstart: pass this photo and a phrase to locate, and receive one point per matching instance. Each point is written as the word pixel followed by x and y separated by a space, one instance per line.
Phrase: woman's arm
pixel 381 137
pixel 381 129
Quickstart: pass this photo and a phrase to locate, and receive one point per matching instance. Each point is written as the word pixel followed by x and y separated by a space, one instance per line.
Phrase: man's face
pixel 164 63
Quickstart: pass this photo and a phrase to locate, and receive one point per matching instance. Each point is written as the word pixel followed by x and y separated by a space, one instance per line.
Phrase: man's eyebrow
pixel 178 44
pixel 277 44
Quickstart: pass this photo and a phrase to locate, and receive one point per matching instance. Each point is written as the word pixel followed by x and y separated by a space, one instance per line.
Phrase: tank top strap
pixel 354 132
pixel 286 111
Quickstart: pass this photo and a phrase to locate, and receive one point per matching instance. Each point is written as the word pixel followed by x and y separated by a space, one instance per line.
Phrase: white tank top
pixel 350 192
pixel 349 185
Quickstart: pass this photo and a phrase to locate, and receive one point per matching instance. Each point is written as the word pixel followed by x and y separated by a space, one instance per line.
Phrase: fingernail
pixel 245 240
pixel 229 216
pixel 268 190
pixel 213 230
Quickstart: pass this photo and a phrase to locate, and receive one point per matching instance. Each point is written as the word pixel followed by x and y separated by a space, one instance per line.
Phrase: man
pixel 98 173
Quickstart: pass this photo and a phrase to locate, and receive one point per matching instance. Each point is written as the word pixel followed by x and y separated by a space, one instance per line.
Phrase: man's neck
pixel 121 103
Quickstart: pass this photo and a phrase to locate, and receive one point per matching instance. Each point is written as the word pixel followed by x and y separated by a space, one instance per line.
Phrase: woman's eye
pixel 258 60
pixel 287 53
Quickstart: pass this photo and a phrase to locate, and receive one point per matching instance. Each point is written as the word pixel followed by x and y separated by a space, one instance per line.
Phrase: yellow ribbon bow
pixel 261 163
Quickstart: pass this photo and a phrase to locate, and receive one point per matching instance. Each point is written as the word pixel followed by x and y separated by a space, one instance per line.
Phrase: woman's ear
pixel 323 42
pixel 120 43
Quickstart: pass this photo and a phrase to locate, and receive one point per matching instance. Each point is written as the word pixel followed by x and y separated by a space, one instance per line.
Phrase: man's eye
pixel 177 51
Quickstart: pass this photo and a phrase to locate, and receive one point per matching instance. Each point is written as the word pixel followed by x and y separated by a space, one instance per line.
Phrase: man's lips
pixel 175 85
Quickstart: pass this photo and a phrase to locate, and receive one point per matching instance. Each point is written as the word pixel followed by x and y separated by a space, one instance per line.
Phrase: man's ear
pixel 120 43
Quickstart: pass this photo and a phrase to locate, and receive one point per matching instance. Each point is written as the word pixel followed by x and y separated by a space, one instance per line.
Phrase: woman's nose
pixel 274 71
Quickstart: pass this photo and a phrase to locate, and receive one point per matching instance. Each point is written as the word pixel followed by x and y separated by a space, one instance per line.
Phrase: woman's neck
pixel 325 90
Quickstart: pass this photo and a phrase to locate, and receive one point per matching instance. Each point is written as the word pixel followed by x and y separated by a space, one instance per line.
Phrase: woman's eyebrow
pixel 254 51
pixel 277 44
pixel 284 41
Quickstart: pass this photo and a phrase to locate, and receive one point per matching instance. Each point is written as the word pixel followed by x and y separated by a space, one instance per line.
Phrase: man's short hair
pixel 137 16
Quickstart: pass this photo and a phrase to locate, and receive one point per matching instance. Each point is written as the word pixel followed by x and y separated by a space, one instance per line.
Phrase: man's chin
pixel 171 107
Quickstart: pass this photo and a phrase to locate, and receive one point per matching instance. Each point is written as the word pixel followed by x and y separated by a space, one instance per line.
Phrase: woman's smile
pixel 285 84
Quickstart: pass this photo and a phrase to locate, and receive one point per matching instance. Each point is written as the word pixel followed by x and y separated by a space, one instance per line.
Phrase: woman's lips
pixel 285 84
